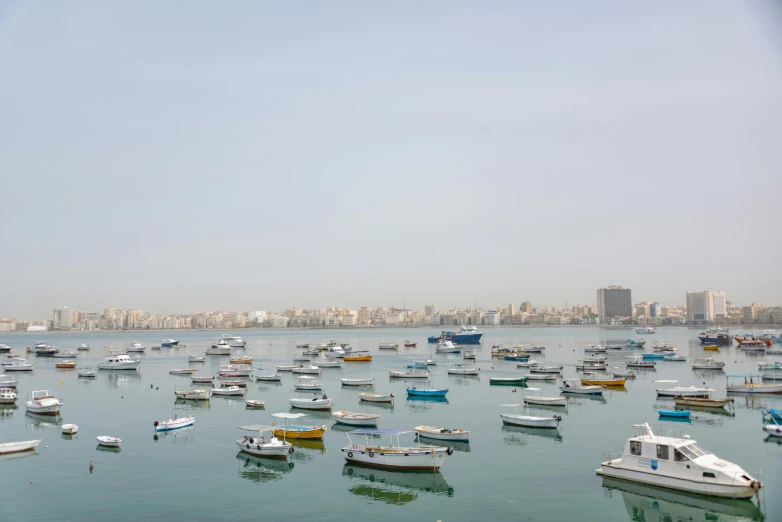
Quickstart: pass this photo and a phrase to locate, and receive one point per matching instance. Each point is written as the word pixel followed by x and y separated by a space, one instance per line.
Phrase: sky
pixel 264 155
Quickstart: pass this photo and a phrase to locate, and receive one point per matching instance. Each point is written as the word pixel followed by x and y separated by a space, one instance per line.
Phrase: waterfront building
pixel 655 310
pixel 491 318
pixel 526 307
pixel 613 303
pixel 705 307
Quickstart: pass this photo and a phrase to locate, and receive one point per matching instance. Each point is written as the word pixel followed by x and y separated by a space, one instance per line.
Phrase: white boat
pixel 528 421
pixel 43 402
pixel 707 364
pixel 230 391
pixel 255 404
pixel 136 347
pixel 334 363
pixel 388 346
pixel 4 348
pixel 219 348
pixel 260 446
pixel 444 434
pixel 374 397
pixel 19 367
pixel 663 346
pixel 227 383
pixel 411 374
pixel 675 358
pixel 678 463
pixel 555 370
pixel 83 348
pixel 70 429
pixel 528 364
pixel 312 404
pixel 446 346
pixel 196 358
pixel 355 419
pixel 335 352
pixel 369 381
pixel 575 387
pixel 627 374
pixel 639 362
pixel 111 442
pixel 275 377
pixel 595 348
pixel 230 370
pixel 307 384
pixel 182 371
pixel 284 368
pixel 302 358
pixel 8 396
pixel 87 373
pixel 306 370
pixel 644 330
pixel 202 379
pixel 469 355
pixel 427 362
pixel 193 395
pixel 774 427
pixel 233 341
pixel 118 361
pixel 65 355
pixel 684 391
pixel 462 369
pixel 752 385
pixel 542 377
pixel 18 447
pixel 6 382
pixel 532 398
pixel 10 359
pixel 168 343
pixel 394 456
pixel 311 353
pixel 174 424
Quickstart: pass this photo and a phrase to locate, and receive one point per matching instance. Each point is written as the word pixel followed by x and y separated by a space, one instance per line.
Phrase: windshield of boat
pixel 692 451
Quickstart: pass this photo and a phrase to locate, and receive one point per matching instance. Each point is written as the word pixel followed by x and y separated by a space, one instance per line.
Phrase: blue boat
pixel 635 343
pixel 653 356
pixel 773 413
pixel 715 336
pixel 168 343
pixel 681 414
pixel 417 366
pixel 520 358
pixel 426 392
pixel 465 335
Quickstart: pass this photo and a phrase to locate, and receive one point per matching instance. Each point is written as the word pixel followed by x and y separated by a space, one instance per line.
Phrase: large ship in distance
pixel 465 335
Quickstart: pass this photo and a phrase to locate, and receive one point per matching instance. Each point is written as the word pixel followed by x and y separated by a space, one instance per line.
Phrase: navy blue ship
pixel 469 335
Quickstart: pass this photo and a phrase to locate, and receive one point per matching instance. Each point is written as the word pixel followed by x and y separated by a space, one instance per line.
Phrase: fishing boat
pixel 577 387
pixel 388 345
pixel 612 381
pixel 283 368
pixel 202 379
pixel 47 351
pixel 556 370
pixel 715 336
pixel 8 396
pixel 233 341
pixel 241 359
pixel 182 371
pixel 752 342
pixel 193 395
pixel 168 343
pixel 684 391
pixel 445 346
pixel 298 431
pixel 8 448
pixel 69 429
pixel 333 363
pixel 595 348
pixel 308 384
pixel 65 355
pixel 254 404
pixel 260 446
pixel 358 357
pixel 65 364
pixel 18 366
pixel 219 348
pixel 415 391
pixel 528 364
pixel 462 369
pixel 273 377
pixel 528 421
pixel 312 404
pixel 177 423
pixel 136 347
pixel 532 398
pixel 235 370
pixel 678 463
pixel 675 358
pixel 678 414
pixel 366 381
pixel 409 374
pixel 707 364
pixel 700 402
pixel 752 385
pixel 306 370
pixel 644 330
pixel 639 362
pixel 196 358
pixel 516 357
pixel 465 335
pixel 43 402
pixel 508 380
pixel 393 456
pixel 444 434
pixel 635 343
pixel 410 344
pixel 373 397
pixel 230 391
pixel 355 419
pixel 542 377
pixel 87 373
pixel 118 361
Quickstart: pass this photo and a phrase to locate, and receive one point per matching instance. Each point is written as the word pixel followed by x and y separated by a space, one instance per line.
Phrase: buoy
pixel 61 383
pixel 46 446
pixel 157 388
pixel 151 386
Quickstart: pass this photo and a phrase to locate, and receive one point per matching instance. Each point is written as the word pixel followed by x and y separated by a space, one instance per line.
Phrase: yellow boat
pixel 607 382
pixel 712 347
pixel 241 360
pixel 358 357
pixel 297 431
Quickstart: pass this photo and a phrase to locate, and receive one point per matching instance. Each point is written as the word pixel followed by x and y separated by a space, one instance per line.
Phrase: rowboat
pixel 231 391
pixel 429 458
pixel 306 370
pixel 111 442
pixel 594 380
pixel 685 391
pixel 507 380
pixel 627 374
pixel 373 397
pixel 557 370
pixel 177 423
pixel 652 355
pixel 333 363
pixel 410 344
pixel 358 357
pixel 262 447
pixel 65 364
pixel 701 402
pixel 528 421
pixel 462 369
pixel 541 400
pixel 18 447
pixel 711 347
pixel 707 364
pixel 307 384
pixel 388 346
pixel 311 404
pixel 444 434
pixel 18 366
pixel 298 431
pixel 355 419
pixel 182 371
pixel 542 377
pixel 681 414
pixel 369 381
pixel 426 392
pixel 242 359
pixel 87 373
pixel 275 377
pixel 592 348
pixel 578 388
pixel 193 395
pixel 69 429
pixel 203 380
pixel 412 374
pixel 596 359
pixel 255 404
pixel 638 362
pixel 675 358
pixel 591 367
pixel 527 364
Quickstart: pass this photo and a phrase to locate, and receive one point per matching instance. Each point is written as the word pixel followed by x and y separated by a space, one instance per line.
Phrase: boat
pixel 8 448
pixel 627 374
pixel 83 348
pixel 242 359
pixel 18 366
pixel 516 357
pixel 675 358
pixel 414 391
pixel 307 384
pixel 663 346
pixel 773 428
pixel 336 363
pixel 429 458
pixel 176 423
pixel 260 446
pixel 444 434
pixel 283 368
pixel 528 421
pixel 611 381
pixel 155 347
pixel 652 355
pixel 233 341
pixel 614 346
pixel 219 348
pixel 711 347
pixel 87 373
pixel 8 396
pixel 752 385
pixel 355 419
pixel 193 395
pixel 409 374
pixel 230 391
pixel 168 343
pixel 751 341
pixel 43 402
pixel 700 402
pixel 335 352
pixel 417 366
pixel 644 330
pixel 579 388
pixel 227 383
pixel 639 362
pixel 65 364
pixel 118 361
pixel 65 355
pixel 367 381
pixel 358 357
pixel 770 366
pixel 593 367
pixel 715 336
pixel 303 345
pixel 679 414
pixel 595 348
pixel 306 370
pixel 311 353
pixel 312 404
pixel 684 391
pixel 635 343
pixel 274 377
pixel 541 400
pixel 45 351
pixel 250 403
pixel 467 354
pixel 136 347
pixel 10 359
pixel 69 429
pixel 462 369
pixel 4 348
pixel 231 370
pixel 508 380
pixel 556 370
pixel 528 364
pixel 388 345
pixel 299 431
pixel 535 349
pixel 196 358
pixel 202 379
pixel 446 346
pixel 373 397
pixel 182 371
pixel 707 364
pixel 301 359
pixel 410 344
pixel 465 335
pixel 542 377
pixel 678 463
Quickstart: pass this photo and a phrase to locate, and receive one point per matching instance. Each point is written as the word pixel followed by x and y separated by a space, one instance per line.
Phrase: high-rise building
pixel 613 302
pixel 430 309
pixel 511 309
pixel 526 306
pixel 63 318
pixel 655 310
pixel 705 307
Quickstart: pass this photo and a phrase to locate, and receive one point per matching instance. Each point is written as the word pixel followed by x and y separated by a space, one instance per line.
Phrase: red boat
pixel 410 344
pixel 752 341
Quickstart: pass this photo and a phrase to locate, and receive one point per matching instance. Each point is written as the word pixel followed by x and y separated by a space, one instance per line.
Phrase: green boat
pixel 507 380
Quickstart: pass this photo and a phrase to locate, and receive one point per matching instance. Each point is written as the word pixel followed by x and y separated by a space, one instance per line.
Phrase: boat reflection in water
pixel 178 436
pixel 108 449
pixel 420 398
pixel 395 487
pixel 42 422
pixel 650 503
pixel 517 435
pixel 257 469
pixel 118 379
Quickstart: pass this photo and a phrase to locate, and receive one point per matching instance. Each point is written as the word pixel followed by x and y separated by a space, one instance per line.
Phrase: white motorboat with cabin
pixel 193 395
pixel 393 456
pixel 87 373
pixel 231 370
pixel 678 463
pixel 595 348
pixel 528 421
pixel 707 364
pixel 219 348
pixel 306 370
pixel 350 418
pixel 108 441
pixel 118 361
pixel 443 434
pixel 375 397
pixel 260 446
pixel 366 381
pixel 177 423
pixel 233 341
pixel 8 396
pixel 230 391
pixel 462 369
pixel 8 448
pixel 43 402
pixel 684 391
pixel 136 347
pixel 18 366
pixel 312 404
pixel 4 348
pixel 539 399
pixel 11 358
pixel 335 352
pixel 446 346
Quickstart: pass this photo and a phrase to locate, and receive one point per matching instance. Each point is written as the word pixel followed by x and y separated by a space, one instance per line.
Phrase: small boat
pixel 711 347
pixel 196 358
pixel 18 447
pixel 284 368
pixel 110 442
pixel 635 343
pixel 752 385
pixel 707 364
pixel 261 446
pixel 231 370
pixel 155 347
pixel 469 355
pixel 242 359
pixel 427 362
pixel 430 458
pixel 202 379
pixel 47 351
pixel 663 346
pixel 591 367
pixel 87 373
pixel 445 346
pixel 715 336
pixel 307 384
pixel 255 404
pixel 579 388
pixel 596 359
pixel 355 419
pixel 182 371
pixel 535 349
pixel 388 346
pixel 595 348
pixel 533 398
pixel 43 402
pixel 358 357
pixel 701 402
pixel 372 397
pixel 528 364
pixel 7 383
pixel 426 392
pixel 334 363
pixel 83 348
pixel 118 361
pixel 627 374
pixel 219 348
pixel 462 369
pixel 609 381
pixel 556 370
pixel 65 355
pixel 444 434
pixel 675 358
pixel 65 364
pixel 168 343
pixel 652 355
pixel 644 330
pixel 410 344
pixel 312 404
pixel 311 353
pixel 752 342
pixel 770 366
pixel 8 396
pixel 659 461
pixel 542 377
pixel 516 357
pixel 306 370
pixel 773 428
pixel 302 358
pixel 193 395
pixel 614 346
pixel 19 367
pixel 684 391
pixel 639 362
pixel 368 381
pixel 412 374
pixel 508 380
pixel 528 421
pixel 417 366
pixel 227 383
pixel 681 414
pixel 69 429
pixel 4 348
pixel 231 391
pixel 300 431
pixel 10 359
pixel 136 347
pixel 173 424
pixel 274 377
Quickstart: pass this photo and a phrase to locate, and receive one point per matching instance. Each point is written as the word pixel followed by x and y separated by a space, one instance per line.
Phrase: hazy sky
pixel 177 156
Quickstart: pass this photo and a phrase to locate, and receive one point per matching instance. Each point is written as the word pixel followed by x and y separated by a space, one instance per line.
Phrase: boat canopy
pixel 380 432
pixel 746 375
pixel 289 415
pixel 258 427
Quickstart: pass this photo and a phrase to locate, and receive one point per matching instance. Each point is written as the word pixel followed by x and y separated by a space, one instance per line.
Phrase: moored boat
pixel 87 373
pixel 410 344
pixel 462 369
pixel 635 343
pixel 273 377
pixel 231 391
pixel 305 370
pixel 752 385
pixel 528 421
pixel 358 357
pixel 69 429
pixel 168 343
pixel 684 391
pixel 204 379
pixel 136 347
pixel 367 381
pixel 312 404
pixel 300 430
pixel 639 362
pixel 707 364
pixel 193 395
pixel 444 434
pixel 445 346
pixel 393 456
pixel 678 414
pixel 43 402
pixel 412 374
pixel 176 423
pixel 118 361
pixel 182 371
pixel 196 358
pixel 355 419
pixel 701 402
pixel 374 397
pixel 577 387
pixel 426 392
pixel 65 364
pixel 241 359
pixel 388 345
pixel 8 448
pixel 251 403
pixel 556 370
pixel 532 398
pixel 235 370
pixel 271 447
pixel 508 380
pixel 8 396
pixel 307 384
pixel 108 441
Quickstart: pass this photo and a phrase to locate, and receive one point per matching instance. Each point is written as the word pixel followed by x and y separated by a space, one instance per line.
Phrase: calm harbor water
pixel 515 473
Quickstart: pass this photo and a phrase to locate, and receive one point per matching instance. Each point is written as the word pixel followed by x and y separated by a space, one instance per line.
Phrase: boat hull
pixel 553 401
pixel 122 366
pixel 415 392
pixel 358 382
pixel 701 403
pixel 305 404
pixel 429 459
pixel 756 389
pixel 356 421
pixel 313 433
pixel 18 447
pixel 773 430
pixel 376 398
pixel 266 450
pixel 176 424
pixel 445 435
pixel 665 481
pixel 507 380
pixel 268 378
pixel 194 395
pixel 526 421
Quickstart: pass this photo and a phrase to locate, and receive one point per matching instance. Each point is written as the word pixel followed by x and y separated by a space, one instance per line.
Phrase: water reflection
pixel 20 455
pixel 315 446
pixel 122 379
pixel 395 487
pixel 193 405
pixel 517 435
pixel 180 436
pixel 42 422
pixel 69 436
pixel 646 503
pixel 257 469
pixel 418 398
pixel 7 411
pixel 107 449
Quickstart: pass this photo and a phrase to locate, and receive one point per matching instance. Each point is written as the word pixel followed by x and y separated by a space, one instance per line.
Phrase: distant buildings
pixel 613 304
pixel 706 307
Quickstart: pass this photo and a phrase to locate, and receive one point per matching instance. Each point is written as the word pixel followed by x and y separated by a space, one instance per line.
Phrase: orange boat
pixel 357 357
pixel 752 341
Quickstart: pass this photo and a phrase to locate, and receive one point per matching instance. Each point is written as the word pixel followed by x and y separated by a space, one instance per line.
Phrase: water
pixel 505 472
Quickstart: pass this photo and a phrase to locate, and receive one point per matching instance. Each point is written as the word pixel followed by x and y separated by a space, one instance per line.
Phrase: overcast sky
pixel 178 156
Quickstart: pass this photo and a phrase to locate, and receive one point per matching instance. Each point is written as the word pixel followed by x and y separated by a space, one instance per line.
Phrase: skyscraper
pixel 430 310
pixel 613 302
pixel 705 307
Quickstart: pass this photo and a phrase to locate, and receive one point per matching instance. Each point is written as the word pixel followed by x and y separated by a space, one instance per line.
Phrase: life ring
pixel 350 471
pixel 155 424
pixel 371 453
pixel 559 419
pixel 290 450
pixel 258 447
pixel 350 454
pixel 263 441
pixel 449 451
pixel 324 427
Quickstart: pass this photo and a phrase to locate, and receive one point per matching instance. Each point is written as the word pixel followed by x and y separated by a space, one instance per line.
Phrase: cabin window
pixel 678 456
pixel 662 452
pixel 708 474
pixel 635 448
